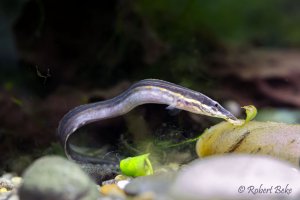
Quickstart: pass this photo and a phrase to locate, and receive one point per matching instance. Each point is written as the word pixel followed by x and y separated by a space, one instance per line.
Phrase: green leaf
pixel 136 166
pixel 251 112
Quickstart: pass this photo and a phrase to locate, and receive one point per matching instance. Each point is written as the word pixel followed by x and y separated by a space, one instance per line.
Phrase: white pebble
pixel 122 184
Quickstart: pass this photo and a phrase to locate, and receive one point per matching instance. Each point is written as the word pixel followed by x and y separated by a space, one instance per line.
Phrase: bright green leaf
pixel 136 166
pixel 251 112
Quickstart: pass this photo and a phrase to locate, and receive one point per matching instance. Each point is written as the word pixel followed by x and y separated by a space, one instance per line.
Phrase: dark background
pixel 55 55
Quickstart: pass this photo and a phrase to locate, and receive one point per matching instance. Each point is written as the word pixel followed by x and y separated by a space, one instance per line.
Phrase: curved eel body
pixel 143 92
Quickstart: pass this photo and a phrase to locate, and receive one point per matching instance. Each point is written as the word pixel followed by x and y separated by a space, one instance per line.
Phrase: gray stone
pixel 53 177
pixel 157 184
pixel 236 177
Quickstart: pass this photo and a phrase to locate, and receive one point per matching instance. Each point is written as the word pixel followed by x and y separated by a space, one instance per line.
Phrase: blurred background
pixel 55 55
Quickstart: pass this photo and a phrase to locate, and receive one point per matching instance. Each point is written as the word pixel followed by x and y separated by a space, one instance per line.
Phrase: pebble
pixel 53 177
pixel 110 181
pixel 16 181
pixel 121 177
pixel 9 184
pixel 157 185
pixel 122 184
pixel 6 183
pixel 112 190
pixel 3 190
pixel 145 196
pixel 235 177
pixel 120 180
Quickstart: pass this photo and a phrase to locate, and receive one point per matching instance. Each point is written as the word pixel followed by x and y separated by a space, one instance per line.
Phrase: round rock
pixel 235 177
pixel 53 177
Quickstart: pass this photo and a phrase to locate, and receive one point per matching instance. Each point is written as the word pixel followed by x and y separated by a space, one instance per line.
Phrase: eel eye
pixel 216 105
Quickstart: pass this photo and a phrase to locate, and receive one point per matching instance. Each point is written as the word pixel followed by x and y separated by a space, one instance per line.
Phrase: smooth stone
pixel 237 177
pixel 16 181
pixel 279 140
pixel 53 177
pixel 112 190
pixel 156 184
pixel 122 184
